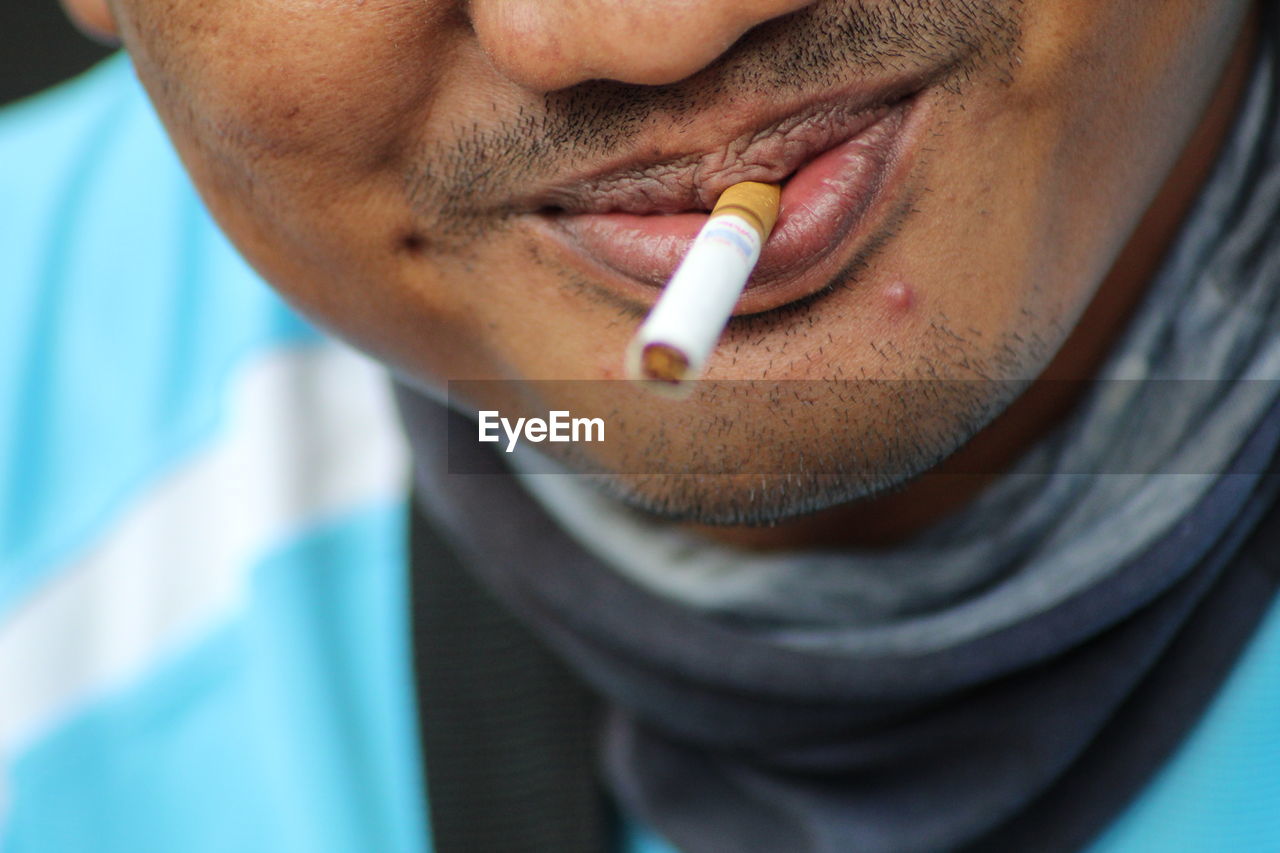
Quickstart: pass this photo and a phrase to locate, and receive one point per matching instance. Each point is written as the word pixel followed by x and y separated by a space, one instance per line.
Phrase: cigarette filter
pixel 673 343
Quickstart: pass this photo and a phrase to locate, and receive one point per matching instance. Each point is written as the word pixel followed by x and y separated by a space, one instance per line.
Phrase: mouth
pixel 838 162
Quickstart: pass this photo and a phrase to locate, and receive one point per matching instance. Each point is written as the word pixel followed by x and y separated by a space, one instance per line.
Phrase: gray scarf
pixel 959 690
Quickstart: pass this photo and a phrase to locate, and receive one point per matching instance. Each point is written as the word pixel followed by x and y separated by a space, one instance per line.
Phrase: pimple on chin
pixel 899 298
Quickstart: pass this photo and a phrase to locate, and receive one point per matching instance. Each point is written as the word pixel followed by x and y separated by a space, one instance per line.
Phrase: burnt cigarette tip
pixel 663 363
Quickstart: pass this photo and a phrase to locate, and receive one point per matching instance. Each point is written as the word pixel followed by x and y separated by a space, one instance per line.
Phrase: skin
pixel 369 158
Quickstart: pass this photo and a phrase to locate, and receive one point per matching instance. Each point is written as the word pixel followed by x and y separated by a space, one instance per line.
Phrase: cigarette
pixel 673 343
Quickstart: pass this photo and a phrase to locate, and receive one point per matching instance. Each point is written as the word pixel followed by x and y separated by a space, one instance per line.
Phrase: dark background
pixel 39 47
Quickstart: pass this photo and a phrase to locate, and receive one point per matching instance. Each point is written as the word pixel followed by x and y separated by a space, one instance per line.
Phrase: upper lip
pixel 691 180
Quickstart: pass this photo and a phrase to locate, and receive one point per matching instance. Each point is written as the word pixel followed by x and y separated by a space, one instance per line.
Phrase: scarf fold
pixel 813 708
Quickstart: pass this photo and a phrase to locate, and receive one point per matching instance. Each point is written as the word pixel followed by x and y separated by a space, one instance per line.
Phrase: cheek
pixel 1115 90
pixel 264 80
pixel 299 124
pixel 295 120
pixel 290 115
pixel 1039 184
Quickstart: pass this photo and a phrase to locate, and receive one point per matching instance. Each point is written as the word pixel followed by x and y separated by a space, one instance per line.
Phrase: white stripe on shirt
pixel 310 434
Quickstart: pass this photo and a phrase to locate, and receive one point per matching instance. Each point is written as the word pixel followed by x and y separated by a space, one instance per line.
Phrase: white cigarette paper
pixel 677 337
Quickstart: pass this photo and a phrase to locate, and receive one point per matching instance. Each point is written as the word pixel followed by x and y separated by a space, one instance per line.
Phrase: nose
pixel 550 44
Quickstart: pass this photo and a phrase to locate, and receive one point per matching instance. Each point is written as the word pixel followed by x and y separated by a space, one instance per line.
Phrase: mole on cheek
pixel 899 298
pixel 411 243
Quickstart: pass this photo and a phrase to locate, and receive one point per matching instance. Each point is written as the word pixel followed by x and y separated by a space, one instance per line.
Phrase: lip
pixel 838 176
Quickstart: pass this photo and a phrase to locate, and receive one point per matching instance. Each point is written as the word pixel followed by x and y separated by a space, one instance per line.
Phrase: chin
pixel 734 500
pixel 767 479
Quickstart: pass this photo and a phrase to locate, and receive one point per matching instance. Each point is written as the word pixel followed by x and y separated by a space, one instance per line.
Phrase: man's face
pixel 497 190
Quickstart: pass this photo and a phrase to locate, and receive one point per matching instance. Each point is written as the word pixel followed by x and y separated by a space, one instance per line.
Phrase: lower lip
pixel 826 204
